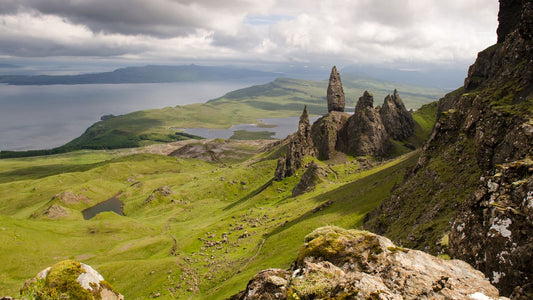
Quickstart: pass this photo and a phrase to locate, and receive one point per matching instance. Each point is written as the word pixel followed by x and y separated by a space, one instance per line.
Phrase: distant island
pixel 144 74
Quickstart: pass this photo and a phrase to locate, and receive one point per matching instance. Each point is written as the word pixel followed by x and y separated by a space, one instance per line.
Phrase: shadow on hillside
pixel 38 172
pixel 250 195
pixel 357 198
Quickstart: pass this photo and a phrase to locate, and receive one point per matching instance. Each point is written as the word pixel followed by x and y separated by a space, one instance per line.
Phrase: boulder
pixel 70 280
pixel 349 264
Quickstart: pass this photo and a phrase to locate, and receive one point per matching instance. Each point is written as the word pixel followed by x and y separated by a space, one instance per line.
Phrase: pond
pixel 112 204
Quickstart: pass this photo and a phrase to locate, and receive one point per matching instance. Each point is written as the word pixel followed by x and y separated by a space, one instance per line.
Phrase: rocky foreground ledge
pixel 336 263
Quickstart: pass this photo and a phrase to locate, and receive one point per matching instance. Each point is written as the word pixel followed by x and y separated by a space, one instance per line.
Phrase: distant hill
pixel 283 97
pixel 145 74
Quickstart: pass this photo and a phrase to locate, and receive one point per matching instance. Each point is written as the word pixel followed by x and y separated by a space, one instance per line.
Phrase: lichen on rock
pixel 336 263
pixel 69 280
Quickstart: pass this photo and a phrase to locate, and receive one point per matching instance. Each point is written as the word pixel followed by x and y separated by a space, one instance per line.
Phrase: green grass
pixel 172 245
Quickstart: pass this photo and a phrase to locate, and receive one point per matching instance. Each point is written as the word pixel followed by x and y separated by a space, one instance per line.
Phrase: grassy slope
pixel 156 247
pixel 281 98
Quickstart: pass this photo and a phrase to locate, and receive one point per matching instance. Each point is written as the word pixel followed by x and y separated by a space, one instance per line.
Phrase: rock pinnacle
pixel 335 94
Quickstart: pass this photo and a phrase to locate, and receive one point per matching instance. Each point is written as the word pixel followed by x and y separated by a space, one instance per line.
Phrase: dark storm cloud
pixel 162 18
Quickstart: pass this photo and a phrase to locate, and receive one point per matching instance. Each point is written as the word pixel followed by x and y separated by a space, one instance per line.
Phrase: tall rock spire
pixel 335 94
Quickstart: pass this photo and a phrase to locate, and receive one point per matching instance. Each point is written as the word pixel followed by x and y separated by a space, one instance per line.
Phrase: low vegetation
pixel 215 226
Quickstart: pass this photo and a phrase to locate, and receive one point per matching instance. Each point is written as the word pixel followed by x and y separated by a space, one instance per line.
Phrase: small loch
pixel 112 204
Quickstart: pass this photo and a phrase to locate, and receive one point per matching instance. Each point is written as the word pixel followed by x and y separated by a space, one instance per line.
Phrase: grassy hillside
pixel 283 97
pixel 221 223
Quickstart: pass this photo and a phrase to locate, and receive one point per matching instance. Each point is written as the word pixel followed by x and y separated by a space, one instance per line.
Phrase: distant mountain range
pixel 145 74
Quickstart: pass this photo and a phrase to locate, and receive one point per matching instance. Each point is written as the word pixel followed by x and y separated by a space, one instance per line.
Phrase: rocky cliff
pixel 473 175
pixel 366 132
pixel 348 264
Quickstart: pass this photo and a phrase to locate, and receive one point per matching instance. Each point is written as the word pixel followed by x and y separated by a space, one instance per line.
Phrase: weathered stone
pixel 335 94
pixel 73 280
pixel 494 228
pixel 348 264
pixel 508 17
pixel 365 133
pixel 300 145
pixel 398 122
pixel 325 133
pixel 310 178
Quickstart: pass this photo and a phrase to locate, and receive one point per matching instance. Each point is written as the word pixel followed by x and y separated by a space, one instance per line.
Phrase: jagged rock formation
pixel 335 95
pixel 300 145
pixel 348 264
pixel 465 174
pixel 69 280
pixel 325 133
pixel 397 120
pixel 364 132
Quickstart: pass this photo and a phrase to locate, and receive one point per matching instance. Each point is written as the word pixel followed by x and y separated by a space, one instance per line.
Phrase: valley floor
pixel 193 227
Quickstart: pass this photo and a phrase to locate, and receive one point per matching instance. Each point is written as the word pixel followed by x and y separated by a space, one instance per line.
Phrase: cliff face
pixel 471 172
pixel 348 264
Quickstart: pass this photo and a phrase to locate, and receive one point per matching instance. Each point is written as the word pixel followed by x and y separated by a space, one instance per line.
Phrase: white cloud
pixel 348 30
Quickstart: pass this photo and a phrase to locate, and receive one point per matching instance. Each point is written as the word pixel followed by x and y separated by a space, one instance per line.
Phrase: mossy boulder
pixel 336 263
pixel 69 279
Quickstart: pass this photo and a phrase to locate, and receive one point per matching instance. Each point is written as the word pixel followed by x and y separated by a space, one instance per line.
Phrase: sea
pixel 47 116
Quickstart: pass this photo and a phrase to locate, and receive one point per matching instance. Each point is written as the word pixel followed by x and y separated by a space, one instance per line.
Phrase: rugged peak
pixel 335 95
pixel 367 100
pixel 300 145
pixel 397 120
pixel 508 17
pixel 365 133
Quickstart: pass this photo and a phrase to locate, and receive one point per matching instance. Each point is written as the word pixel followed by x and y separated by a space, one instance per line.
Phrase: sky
pixel 402 33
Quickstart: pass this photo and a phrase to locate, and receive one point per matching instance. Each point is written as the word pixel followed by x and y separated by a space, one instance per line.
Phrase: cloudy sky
pixel 300 31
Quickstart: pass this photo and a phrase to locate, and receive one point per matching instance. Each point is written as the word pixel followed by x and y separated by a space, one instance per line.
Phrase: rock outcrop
pixel 300 145
pixel 310 178
pixel 348 264
pixel 69 280
pixel 335 95
pixel 494 229
pixel 325 134
pixel 471 172
pixel 397 120
pixel 365 133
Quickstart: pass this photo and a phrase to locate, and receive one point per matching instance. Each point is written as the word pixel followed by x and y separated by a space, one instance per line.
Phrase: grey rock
pixel 335 94
pixel 365 133
pixel 398 122
pixel 348 264
pixel 300 144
